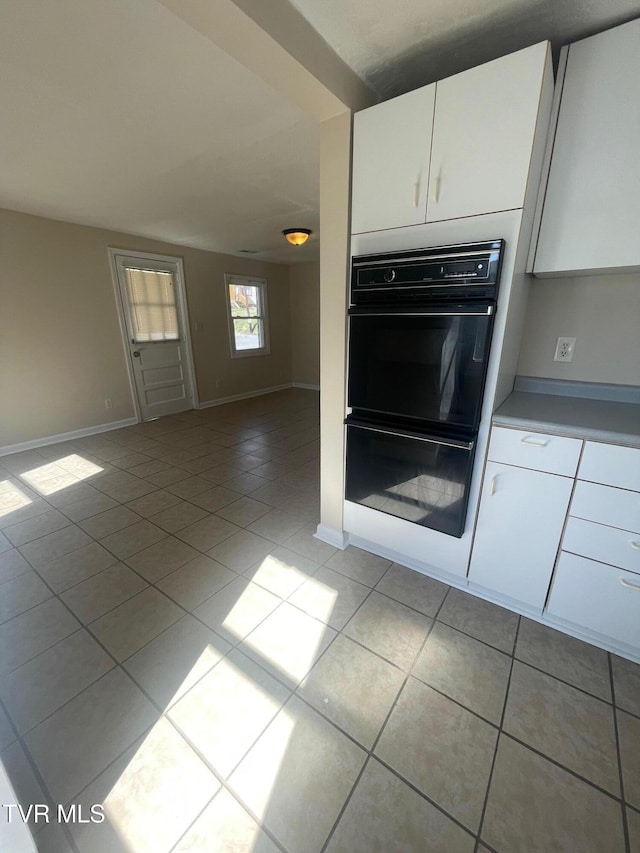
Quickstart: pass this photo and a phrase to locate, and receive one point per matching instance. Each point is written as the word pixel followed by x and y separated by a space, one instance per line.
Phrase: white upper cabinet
pixel 483 135
pixel 392 147
pixel 591 215
pixel 484 124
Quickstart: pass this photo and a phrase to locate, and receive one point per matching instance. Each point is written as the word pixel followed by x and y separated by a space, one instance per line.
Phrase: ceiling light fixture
pixel 297 236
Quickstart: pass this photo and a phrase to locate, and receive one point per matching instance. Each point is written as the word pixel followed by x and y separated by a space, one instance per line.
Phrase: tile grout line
pixel 565 682
pixel 223 787
pixel 371 651
pixel 288 687
pixel 625 820
pixel 500 729
pixel 370 752
pixel 224 780
pixel 568 770
pixel 86 626
pixel 33 766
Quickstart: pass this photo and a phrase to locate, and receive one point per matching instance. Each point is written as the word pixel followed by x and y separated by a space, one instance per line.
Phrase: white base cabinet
pixel 596 584
pixel 598 597
pixel 520 523
pixel 562 543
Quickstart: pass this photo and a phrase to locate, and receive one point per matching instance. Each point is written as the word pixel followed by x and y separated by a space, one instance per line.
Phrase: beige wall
pixel 603 314
pixel 304 283
pixel 61 353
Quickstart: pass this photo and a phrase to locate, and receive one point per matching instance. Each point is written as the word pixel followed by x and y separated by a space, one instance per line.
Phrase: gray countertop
pixel 599 420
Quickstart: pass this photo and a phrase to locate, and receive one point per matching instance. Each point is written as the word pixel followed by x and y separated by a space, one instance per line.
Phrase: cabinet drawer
pixel 611 465
pixel 597 597
pixel 606 544
pixel 553 454
pixel 606 505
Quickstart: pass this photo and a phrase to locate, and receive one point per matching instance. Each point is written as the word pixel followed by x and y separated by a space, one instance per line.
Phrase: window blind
pixel 153 305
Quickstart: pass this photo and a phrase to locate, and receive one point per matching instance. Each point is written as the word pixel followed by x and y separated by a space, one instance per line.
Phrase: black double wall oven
pixel 420 326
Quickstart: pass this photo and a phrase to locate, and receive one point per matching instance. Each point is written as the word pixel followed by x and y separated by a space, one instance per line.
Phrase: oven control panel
pixel 447 271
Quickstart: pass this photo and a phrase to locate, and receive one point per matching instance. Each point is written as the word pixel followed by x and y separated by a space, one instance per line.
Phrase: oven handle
pixel 367 312
pixel 460 445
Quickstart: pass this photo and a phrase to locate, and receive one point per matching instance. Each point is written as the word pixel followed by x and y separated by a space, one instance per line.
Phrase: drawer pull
pixel 635 544
pixel 534 442
pixel 492 486
pixel 629 585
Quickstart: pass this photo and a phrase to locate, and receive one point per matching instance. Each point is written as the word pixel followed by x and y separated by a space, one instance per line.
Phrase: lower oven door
pixel 421 478
pixel 428 364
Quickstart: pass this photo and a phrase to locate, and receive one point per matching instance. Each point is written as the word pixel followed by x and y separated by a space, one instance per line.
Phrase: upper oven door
pixel 426 363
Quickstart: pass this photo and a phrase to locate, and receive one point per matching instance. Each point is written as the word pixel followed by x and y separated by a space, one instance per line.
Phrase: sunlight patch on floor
pixel 160 793
pixel 54 476
pixel 12 498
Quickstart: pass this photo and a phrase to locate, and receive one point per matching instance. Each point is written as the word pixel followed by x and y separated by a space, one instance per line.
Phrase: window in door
pixel 247 313
pixel 152 301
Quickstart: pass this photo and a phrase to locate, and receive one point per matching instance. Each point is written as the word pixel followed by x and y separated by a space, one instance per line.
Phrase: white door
pixel 152 304
pixel 522 513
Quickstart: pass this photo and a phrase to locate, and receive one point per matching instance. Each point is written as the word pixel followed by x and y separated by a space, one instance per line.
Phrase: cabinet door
pixel 592 204
pixel 519 526
pixel 483 134
pixel 391 151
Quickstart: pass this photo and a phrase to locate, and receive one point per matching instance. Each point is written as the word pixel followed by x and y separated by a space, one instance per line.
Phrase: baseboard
pixel 65 436
pixel 459 581
pixel 462 583
pixel 337 538
pixel 304 385
pixel 234 397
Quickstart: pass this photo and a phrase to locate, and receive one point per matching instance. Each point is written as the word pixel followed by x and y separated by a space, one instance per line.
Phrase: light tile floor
pixel 177 647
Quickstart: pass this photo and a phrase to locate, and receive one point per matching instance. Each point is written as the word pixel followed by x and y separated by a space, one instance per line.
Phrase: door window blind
pixel 153 305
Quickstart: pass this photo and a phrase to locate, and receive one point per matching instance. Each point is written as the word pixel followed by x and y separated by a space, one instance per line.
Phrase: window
pixel 152 304
pixel 247 309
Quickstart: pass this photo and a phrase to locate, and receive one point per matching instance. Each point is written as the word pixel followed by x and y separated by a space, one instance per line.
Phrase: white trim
pixel 305 385
pixel 584 634
pixel 261 285
pixel 221 400
pixel 459 581
pixel 65 436
pixel 338 538
pixel 114 253
pixel 124 335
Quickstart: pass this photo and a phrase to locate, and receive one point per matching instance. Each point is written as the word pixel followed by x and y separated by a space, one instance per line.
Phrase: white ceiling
pixel 396 47
pixel 118 114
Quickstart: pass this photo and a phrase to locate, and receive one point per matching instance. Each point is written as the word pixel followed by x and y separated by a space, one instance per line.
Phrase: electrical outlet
pixel 564 349
pixel 108 404
pixel 218 383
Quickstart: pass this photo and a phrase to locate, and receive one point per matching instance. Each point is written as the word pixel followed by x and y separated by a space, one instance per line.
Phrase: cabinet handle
pixel 416 193
pixel 629 585
pixel 493 484
pixel 535 442
pixel 436 189
pixel 635 544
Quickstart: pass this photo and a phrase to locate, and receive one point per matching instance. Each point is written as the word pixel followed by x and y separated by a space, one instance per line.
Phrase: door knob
pixel 136 353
